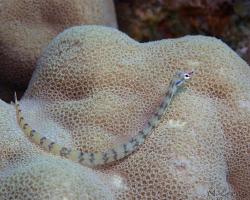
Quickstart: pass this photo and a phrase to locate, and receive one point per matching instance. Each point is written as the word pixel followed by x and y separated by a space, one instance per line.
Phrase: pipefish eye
pixel 186 76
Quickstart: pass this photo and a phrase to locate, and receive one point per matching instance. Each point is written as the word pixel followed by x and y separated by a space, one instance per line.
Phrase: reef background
pixel 91 87
pixel 228 20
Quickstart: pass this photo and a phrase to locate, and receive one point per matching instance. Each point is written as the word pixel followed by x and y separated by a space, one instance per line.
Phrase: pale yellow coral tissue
pixel 198 151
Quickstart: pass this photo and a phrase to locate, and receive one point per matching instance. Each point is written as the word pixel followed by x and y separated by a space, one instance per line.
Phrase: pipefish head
pixel 182 77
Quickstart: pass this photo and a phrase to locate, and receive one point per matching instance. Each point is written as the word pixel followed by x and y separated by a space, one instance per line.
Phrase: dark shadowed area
pixel 228 20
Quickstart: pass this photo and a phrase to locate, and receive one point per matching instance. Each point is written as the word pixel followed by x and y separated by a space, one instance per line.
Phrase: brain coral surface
pixel 95 87
pixel 27 27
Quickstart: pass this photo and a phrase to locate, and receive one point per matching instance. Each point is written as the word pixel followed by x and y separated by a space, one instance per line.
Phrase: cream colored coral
pixel 94 87
pixel 28 26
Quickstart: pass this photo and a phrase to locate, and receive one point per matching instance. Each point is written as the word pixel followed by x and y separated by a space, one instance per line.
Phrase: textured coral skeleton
pixel 27 27
pixel 94 87
pixel 111 155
